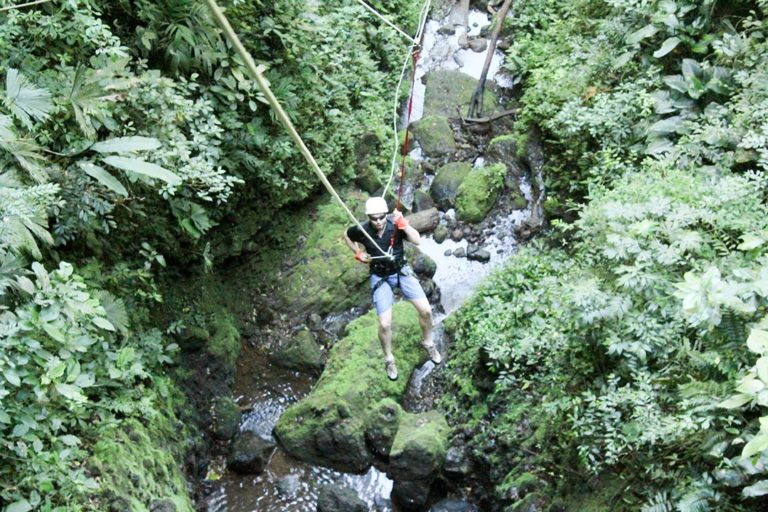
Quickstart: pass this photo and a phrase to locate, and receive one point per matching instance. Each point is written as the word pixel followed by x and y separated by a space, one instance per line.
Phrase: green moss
pixel 479 191
pixel 352 385
pixel 225 340
pixel 451 91
pixel 435 135
pixel 420 445
pixel 138 462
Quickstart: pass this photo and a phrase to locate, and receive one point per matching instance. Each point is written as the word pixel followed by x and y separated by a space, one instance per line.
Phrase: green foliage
pixel 66 373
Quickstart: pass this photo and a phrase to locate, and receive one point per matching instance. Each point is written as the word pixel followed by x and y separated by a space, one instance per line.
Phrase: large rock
pixel 422 265
pixel 383 423
pixel 435 136
pixel 425 220
pixel 335 498
pixel 249 453
pixel 422 201
pixel 226 417
pixel 503 150
pixel 478 192
pixel 411 495
pixel 419 448
pixel 328 427
pixel 445 186
pixel 302 353
pixel 449 93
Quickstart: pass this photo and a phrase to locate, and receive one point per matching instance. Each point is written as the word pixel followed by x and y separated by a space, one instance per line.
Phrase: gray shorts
pixel 383 298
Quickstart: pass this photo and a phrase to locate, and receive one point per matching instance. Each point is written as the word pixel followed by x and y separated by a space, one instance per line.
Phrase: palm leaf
pixel 126 144
pixel 26 152
pixel 115 309
pixel 144 168
pixel 26 101
pixel 11 267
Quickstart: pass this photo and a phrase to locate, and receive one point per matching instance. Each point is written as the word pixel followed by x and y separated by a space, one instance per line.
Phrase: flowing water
pixel 265 391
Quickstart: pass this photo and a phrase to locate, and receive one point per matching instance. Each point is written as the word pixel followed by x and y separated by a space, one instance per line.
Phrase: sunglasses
pixel 376 218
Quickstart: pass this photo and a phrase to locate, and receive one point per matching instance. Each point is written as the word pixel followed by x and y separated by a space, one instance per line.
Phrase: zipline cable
pixel 19 6
pixel 256 72
pixel 385 20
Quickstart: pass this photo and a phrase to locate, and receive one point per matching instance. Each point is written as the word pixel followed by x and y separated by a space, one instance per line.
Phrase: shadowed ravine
pixel 264 391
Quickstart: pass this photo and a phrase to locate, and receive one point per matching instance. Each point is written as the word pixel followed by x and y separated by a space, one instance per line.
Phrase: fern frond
pixel 11 267
pixel 25 151
pixel 659 503
pixel 117 313
pixel 697 500
pixel 24 100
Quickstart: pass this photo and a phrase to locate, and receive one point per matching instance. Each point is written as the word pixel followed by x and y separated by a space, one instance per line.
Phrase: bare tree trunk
pixel 476 103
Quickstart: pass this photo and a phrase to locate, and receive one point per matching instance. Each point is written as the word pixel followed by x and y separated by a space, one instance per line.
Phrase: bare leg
pixel 385 334
pixel 425 320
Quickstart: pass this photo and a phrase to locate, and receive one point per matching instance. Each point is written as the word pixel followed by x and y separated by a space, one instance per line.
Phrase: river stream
pixel 265 390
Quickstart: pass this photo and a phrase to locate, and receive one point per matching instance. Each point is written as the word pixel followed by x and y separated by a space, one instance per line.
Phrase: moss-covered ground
pixel 138 464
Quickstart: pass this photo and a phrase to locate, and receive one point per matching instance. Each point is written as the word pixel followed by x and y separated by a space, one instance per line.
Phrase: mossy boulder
pixel 435 136
pixel 335 498
pixel 302 352
pixel 249 453
pixel 328 427
pixel 479 191
pixel 383 422
pixel 445 186
pixel 504 150
pixel 226 417
pixel 225 339
pixel 419 448
pixel 449 92
pixel 325 277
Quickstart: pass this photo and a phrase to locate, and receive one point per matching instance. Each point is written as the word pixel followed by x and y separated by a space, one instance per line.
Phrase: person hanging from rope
pixel 389 269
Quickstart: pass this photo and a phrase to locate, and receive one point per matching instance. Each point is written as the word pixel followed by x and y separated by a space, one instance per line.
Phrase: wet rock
pixel 450 92
pixel 457 235
pixel 384 420
pixel 456 464
pixel 478 45
pixel 479 192
pixel 302 353
pixel 288 485
pixel 448 505
pixel 434 135
pixel 503 150
pixel 445 187
pixel 249 453
pixel 411 495
pixel 440 234
pixel 422 201
pixel 335 498
pixel 422 265
pixel 448 252
pixel 368 180
pixel 162 506
pixel 226 418
pixel 431 290
pixel 459 252
pixel 447 30
pixel 419 448
pixel 475 253
pixel 425 220
pixel 315 322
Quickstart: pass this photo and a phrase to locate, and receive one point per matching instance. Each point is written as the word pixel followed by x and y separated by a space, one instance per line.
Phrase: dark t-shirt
pixel 380 266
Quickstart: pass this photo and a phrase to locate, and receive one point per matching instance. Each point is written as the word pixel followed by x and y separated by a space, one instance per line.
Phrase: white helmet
pixel 376 205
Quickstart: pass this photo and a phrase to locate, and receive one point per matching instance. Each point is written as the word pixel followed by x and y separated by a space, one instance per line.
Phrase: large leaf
pixel 144 168
pixel 19 506
pixel 126 144
pixel 102 176
pixel 758 489
pixel 26 101
pixel 666 47
pixel 25 151
pixel 644 33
